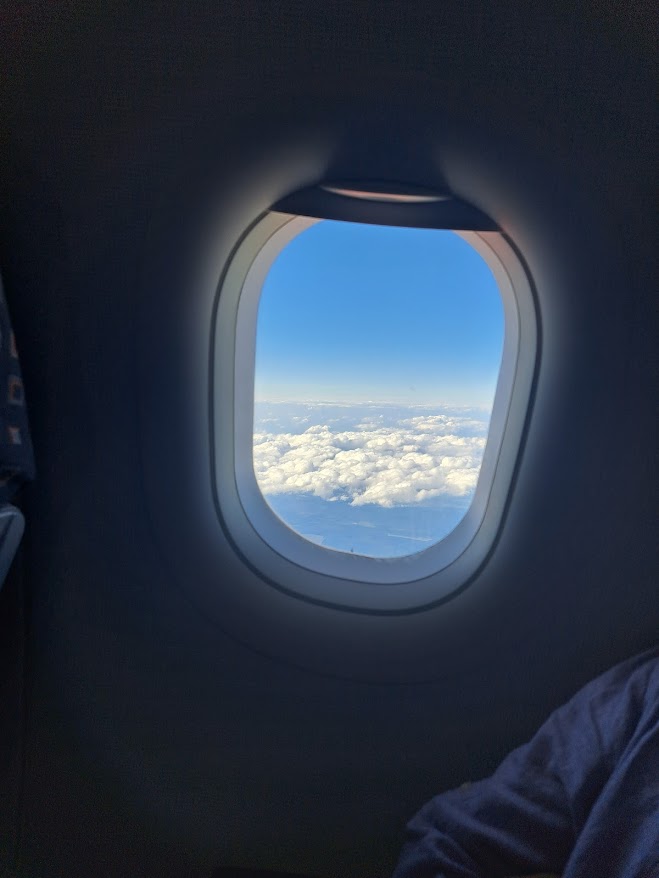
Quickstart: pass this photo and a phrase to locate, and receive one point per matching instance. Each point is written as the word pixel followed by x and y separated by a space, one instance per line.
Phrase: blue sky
pixel 353 313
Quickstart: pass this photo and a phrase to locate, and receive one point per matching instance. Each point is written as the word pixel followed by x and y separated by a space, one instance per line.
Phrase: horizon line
pixel 372 402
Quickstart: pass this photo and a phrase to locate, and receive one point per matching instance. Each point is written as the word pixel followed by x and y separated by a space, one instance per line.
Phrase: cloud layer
pixel 413 460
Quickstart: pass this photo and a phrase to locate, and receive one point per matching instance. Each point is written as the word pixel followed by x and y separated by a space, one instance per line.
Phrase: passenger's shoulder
pixel 623 693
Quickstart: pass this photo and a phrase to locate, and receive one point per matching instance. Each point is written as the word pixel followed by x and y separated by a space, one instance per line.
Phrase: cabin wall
pixel 156 740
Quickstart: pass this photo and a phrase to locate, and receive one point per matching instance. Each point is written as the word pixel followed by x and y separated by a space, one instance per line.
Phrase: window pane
pixel 377 356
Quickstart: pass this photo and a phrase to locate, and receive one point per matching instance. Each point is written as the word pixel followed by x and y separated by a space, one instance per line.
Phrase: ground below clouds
pixel 412 471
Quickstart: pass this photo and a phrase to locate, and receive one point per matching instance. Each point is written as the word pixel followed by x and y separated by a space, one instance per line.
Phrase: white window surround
pixel 288 560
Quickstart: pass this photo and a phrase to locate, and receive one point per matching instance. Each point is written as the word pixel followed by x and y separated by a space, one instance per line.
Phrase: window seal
pixel 306 569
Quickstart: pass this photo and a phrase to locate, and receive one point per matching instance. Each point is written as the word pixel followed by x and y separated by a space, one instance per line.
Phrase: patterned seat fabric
pixel 16 455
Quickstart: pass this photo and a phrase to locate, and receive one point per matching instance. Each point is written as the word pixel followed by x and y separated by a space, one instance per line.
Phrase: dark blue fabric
pixel 581 799
pixel 16 456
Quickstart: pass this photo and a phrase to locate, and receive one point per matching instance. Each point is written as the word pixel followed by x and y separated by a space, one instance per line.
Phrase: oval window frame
pixel 283 557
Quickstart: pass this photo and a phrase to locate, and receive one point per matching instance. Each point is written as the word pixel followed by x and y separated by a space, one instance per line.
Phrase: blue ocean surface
pixel 370 529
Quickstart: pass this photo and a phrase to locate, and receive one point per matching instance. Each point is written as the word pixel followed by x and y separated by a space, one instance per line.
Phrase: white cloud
pixel 414 460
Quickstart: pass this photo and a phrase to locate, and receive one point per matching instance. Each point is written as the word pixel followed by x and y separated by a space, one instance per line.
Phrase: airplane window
pixel 370 387
pixel 377 355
